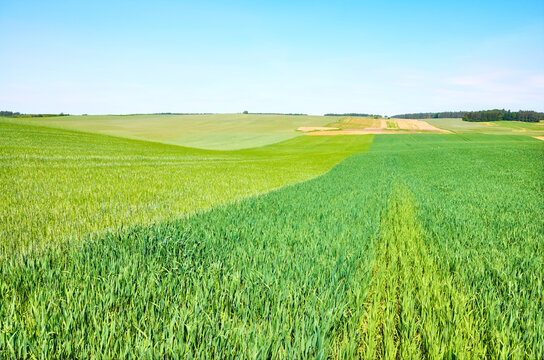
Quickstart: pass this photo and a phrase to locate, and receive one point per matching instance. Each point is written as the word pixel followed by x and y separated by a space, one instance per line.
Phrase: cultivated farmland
pixel 59 184
pixel 364 246
pixel 350 125
pixel 495 127
pixel 215 131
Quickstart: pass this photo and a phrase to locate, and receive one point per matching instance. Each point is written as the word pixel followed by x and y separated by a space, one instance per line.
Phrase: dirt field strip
pixel 423 125
pixel 411 311
pixel 356 123
pixel 361 126
pixel 416 125
pixel 406 124
pixel 539 137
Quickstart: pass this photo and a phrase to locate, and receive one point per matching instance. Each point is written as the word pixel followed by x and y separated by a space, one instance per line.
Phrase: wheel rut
pixel 412 311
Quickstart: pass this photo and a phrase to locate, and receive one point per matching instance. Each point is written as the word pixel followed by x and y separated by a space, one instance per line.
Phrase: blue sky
pixel 104 57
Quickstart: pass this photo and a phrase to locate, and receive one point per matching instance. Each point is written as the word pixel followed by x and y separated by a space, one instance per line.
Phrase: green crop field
pixel 57 183
pixel 227 180
pixel 415 246
pixel 216 131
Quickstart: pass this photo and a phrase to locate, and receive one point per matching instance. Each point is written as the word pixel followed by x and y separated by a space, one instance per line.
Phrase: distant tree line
pixel 430 115
pixel 171 113
pixel 497 115
pixel 260 113
pixel 481 116
pixel 19 115
pixel 355 114
pixel 9 113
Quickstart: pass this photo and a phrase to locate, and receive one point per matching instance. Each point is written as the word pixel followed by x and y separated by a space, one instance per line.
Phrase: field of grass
pixel 497 127
pixel 59 184
pixel 216 131
pixel 426 246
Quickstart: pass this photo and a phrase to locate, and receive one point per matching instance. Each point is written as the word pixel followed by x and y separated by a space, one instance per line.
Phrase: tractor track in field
pixel 411 310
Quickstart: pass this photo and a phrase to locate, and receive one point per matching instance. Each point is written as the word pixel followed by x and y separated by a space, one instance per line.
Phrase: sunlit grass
pixel 57 184
pixel 426 246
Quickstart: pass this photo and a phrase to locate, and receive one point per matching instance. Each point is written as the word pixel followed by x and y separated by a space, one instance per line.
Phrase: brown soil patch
pixel 410 124
pixel 356 123
pixel 423 125
pixel 539 137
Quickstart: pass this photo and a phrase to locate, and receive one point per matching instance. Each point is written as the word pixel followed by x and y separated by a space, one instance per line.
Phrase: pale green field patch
pixel 215 131
pixel 495 127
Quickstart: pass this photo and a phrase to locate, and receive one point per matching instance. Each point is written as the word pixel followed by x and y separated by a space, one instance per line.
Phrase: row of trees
pixel 481 116
pixel 497 115
pixel 429 115
pixel 18 114
pixel 355 114
pixel 261 113
pixel 9 113
pixel 171 113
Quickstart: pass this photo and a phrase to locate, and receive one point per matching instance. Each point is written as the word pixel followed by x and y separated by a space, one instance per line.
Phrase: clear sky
pixel 104 57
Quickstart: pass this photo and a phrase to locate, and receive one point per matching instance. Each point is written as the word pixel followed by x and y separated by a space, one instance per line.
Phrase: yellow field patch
pixel 357 123
pixel 359 126
pixel 410 124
